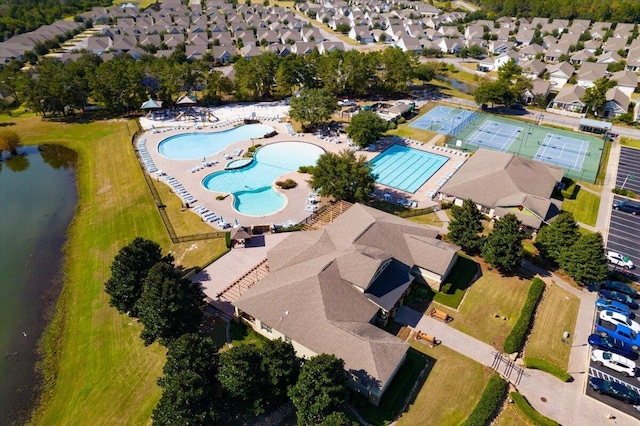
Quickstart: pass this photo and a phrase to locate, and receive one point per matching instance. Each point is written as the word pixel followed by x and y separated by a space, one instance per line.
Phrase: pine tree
pixel 554 240
pixel 585 261
pixel 503 246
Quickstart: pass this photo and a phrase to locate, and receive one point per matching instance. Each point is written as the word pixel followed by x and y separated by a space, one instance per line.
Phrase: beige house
pixel 327 290
pixel 501 183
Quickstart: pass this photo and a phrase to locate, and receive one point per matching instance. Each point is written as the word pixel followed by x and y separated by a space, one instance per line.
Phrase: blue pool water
pixel 406 169
pixel 251 186
pixel 192 146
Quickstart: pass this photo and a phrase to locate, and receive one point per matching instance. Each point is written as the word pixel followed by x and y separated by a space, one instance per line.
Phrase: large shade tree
pixel 9 141
pixel 312 107
pixel 320 390
pixel 128 271
pixel 190 391
pixel 170 305
pixel 555 239
pixel 281 367
pixel 344 176
pixel 365 128
pixel 242 377
pixel 465 226
pixel 503 246
pixel 585 261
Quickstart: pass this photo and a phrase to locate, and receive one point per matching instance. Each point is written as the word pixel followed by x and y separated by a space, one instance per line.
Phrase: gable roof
pixel 324 287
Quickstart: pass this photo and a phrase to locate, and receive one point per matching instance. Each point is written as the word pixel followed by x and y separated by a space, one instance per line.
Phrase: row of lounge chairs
pixel 145 156
pixel 205 163
pixel 290 129
pixel 450 151
pixel 180 190
pixel 458 164
pixel 205 214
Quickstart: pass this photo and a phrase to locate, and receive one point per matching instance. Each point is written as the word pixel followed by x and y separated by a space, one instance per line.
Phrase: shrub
pixel 490 401
pixel 287 184
pixel 270 134
pixel 288 229
pixel 401 120
pixel 624 192
pixel 548 367
pixel 445 205
pixel 305 169
pixel 227 239
pixel 537 418
pixel 221 197
pixel 392 126
pixel 515 339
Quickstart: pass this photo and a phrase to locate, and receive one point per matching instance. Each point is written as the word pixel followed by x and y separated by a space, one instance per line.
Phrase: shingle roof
pixel 324 287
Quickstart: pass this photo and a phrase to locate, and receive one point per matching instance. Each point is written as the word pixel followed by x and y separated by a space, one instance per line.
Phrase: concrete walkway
pixel 563 402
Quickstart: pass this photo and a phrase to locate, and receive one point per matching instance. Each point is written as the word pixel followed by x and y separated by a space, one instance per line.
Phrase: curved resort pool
pixel 251 186
pixel 191 146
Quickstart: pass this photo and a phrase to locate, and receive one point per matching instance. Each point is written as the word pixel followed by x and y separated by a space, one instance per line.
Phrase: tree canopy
pixel 595 97
pixel 190 391
pixel 128 271
pixel 555 239
pixel 344 176
pixel 170 305
pixel 9 141
pixel 365 128
pixel 503 246
pixel 242 377
pixel 312 107
pixel 585 261
pixel 465 226
pixel 320 390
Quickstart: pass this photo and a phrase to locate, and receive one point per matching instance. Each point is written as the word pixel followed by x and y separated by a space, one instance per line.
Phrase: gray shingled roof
pixel 322 290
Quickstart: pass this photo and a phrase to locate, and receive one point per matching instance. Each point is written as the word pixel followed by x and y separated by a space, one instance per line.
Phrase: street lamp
pixel 631 176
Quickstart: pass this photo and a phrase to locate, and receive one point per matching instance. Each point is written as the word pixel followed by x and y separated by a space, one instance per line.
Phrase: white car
pixel 615 362
pixel 621 319
pixel 619 259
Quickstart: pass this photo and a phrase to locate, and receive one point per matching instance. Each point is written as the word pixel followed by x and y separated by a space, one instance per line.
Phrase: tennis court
pixel 563 151
pixel 406 169
pixel 494 135
pixel 578 154
pixel 444 120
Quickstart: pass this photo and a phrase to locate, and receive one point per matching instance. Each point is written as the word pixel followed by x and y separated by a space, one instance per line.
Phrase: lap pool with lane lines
pixel 406 169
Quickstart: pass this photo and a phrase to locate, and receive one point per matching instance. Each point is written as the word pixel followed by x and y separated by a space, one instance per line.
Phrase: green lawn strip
pixel 604 161
pixel 243 335
pixel 548 367
pixel 491 306
pixel 490 402
pixel 582 204
pixel 516 339
pixel 427 219
pixel 556 313
pixel 96 369
pixel 451 390
pixel 529 412
pixel 457 283
pixel 511 416
pixel 394 398
pixel 631 143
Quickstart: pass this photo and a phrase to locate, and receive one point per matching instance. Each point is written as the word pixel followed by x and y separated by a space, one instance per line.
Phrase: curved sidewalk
pixel 563 402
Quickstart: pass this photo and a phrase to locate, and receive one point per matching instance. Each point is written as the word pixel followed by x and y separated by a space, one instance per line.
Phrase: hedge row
pixel 546 366
pixel 490 402
pixel 515 340
pixel 530 412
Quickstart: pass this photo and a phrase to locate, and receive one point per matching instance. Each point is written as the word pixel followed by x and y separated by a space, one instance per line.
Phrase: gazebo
pixel 187 103
pixel 152 106
pixel 239 236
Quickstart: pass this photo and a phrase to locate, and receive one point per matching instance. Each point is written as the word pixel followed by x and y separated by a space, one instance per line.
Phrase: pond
pixel 457 84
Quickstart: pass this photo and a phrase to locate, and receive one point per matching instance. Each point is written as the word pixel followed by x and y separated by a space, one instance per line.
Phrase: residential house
pixel 540 90
pixel 533 69
pixel 617 103
pixel 614 45
pixel 329 46
pixel 450 45
pixel 327 289
pixel 554 52
pixel 524 37
pixel 531 51
pixel 409 44
pixel 569 99
pixel 610 57
pixel 222 54
pixel 361 34
pixel 559 74
pixel 250 51
pixel 627 81
pixel 589 72
pixel 497 47
pixel 580 56
pixel 501 183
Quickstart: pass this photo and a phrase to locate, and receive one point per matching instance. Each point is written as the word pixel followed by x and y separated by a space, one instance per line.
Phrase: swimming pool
pixel 406 169
pixel 192 146
pixel 251 186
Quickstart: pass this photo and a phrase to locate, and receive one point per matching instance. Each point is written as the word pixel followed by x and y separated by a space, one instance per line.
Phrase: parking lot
pixel 608 374
pixel 623 227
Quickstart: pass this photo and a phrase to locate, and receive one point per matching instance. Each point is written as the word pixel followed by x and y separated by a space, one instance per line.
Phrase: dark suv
pixel 627 206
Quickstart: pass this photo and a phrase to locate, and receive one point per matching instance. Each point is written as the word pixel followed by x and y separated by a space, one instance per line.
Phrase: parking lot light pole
pixel 631 176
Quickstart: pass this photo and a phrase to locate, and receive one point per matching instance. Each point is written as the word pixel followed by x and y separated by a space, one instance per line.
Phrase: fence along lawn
pixel 103 372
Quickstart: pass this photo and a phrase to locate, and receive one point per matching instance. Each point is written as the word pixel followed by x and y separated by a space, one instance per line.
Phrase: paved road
pixel 564 402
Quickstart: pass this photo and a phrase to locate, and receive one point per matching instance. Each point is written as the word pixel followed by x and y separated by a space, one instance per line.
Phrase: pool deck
pixel 294 209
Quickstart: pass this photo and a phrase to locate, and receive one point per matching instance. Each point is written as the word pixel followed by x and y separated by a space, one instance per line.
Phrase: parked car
pixel 618 297
pixel 346 102
pixel 627 206
pixel 612 305
pixel 611 344
pixel 615 390
pixel 614 362
pixel 619 319
pixel 620 287
pixel 619 259
pixel 619 332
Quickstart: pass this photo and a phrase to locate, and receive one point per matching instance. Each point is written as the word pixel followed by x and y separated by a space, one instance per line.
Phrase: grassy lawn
pixel 556 314
pixel 243 335
pixel 451 391
pixel 511 416
pixel 408 132
pixel 97 370
pixel 582 203
pixel 631 143
pixel 399 389
pixel 427 219
pixel 490 296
